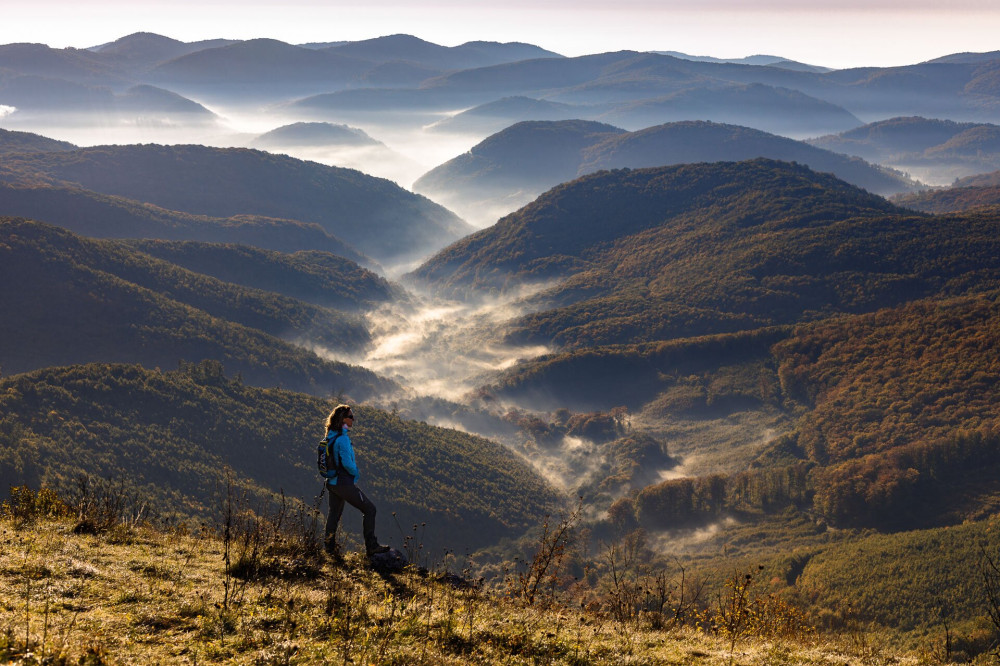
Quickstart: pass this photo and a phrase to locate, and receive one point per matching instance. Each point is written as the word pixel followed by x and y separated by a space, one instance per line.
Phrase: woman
pixel 342 481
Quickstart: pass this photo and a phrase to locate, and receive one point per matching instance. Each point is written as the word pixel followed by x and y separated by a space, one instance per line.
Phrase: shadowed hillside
pixel 312 276
pixel 105 216
pixel 375 215
pixel 73 300
pixel 27 142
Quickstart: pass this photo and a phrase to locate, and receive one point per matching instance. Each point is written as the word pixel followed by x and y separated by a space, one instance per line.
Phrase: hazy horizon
pixel 833 34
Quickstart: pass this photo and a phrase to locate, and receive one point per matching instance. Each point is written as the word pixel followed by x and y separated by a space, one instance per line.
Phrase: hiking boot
pixel 377 549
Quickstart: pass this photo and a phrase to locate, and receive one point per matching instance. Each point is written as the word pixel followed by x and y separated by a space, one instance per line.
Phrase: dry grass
pixel 158 598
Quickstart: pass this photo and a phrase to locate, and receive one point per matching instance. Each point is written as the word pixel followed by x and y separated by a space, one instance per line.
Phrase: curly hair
pixel 335 421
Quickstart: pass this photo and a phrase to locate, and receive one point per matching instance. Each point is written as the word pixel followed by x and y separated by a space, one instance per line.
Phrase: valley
pixel 715 314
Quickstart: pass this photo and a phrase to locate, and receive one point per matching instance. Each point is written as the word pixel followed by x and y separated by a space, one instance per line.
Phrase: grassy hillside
pixel 104 216
pixel 171 436
pixel 374 215
pixel 260 592
pixel 153 595
pixel 72 300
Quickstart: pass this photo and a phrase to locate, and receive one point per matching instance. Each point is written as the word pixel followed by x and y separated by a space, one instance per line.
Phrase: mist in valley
pixel 442 348
pixel 443 352
pixel 407 150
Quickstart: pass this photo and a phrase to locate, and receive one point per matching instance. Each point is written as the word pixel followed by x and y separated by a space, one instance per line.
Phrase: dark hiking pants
pixel 352 495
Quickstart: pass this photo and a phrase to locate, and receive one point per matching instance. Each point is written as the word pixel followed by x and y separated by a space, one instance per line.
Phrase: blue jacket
pixel 340 452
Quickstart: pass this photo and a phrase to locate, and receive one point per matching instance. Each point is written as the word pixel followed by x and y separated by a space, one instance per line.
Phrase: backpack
pixel 323 462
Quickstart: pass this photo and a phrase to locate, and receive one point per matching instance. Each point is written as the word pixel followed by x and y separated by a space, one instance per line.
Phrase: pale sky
pixel 833 33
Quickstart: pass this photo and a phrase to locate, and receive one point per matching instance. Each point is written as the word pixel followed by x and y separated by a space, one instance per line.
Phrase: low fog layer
pixel 407 151
pixel 443 348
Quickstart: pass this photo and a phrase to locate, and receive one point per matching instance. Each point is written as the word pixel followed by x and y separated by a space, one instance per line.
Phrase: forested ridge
pixel 105 216
pixel 377 216
pixel 570 227
pixel 173 436
pixel 77 300
pixel 312 276
pixel 685 251
pixel 897 425
pixel 763 288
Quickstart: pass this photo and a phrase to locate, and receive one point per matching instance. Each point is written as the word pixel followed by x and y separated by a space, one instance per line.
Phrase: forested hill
pixel 572 227
pixel 27 142
pixel 375 215
pixel 523 160
pixel 67 299
pixel 897 424
pixel 312 276
pixel 174 436
pixel 700 141
pixel 658 254
pixel 105 216
pixel 951 199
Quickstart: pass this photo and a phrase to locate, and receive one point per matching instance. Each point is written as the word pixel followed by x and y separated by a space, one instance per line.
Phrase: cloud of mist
pixel 675 542
pixel 407 151
pixel 443 348
pixel 566 466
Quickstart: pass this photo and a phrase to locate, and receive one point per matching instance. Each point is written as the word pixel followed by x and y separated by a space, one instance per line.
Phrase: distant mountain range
pixel 380 218
pixel 338 81
pixel 512 167
pixel 762 60
pixel 919 144
pixel 494 116
pixel 773 109
pixel 314 135
pixel 410 49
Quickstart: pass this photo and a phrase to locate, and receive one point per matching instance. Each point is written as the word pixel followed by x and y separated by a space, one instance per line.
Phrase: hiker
pixel 342 481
